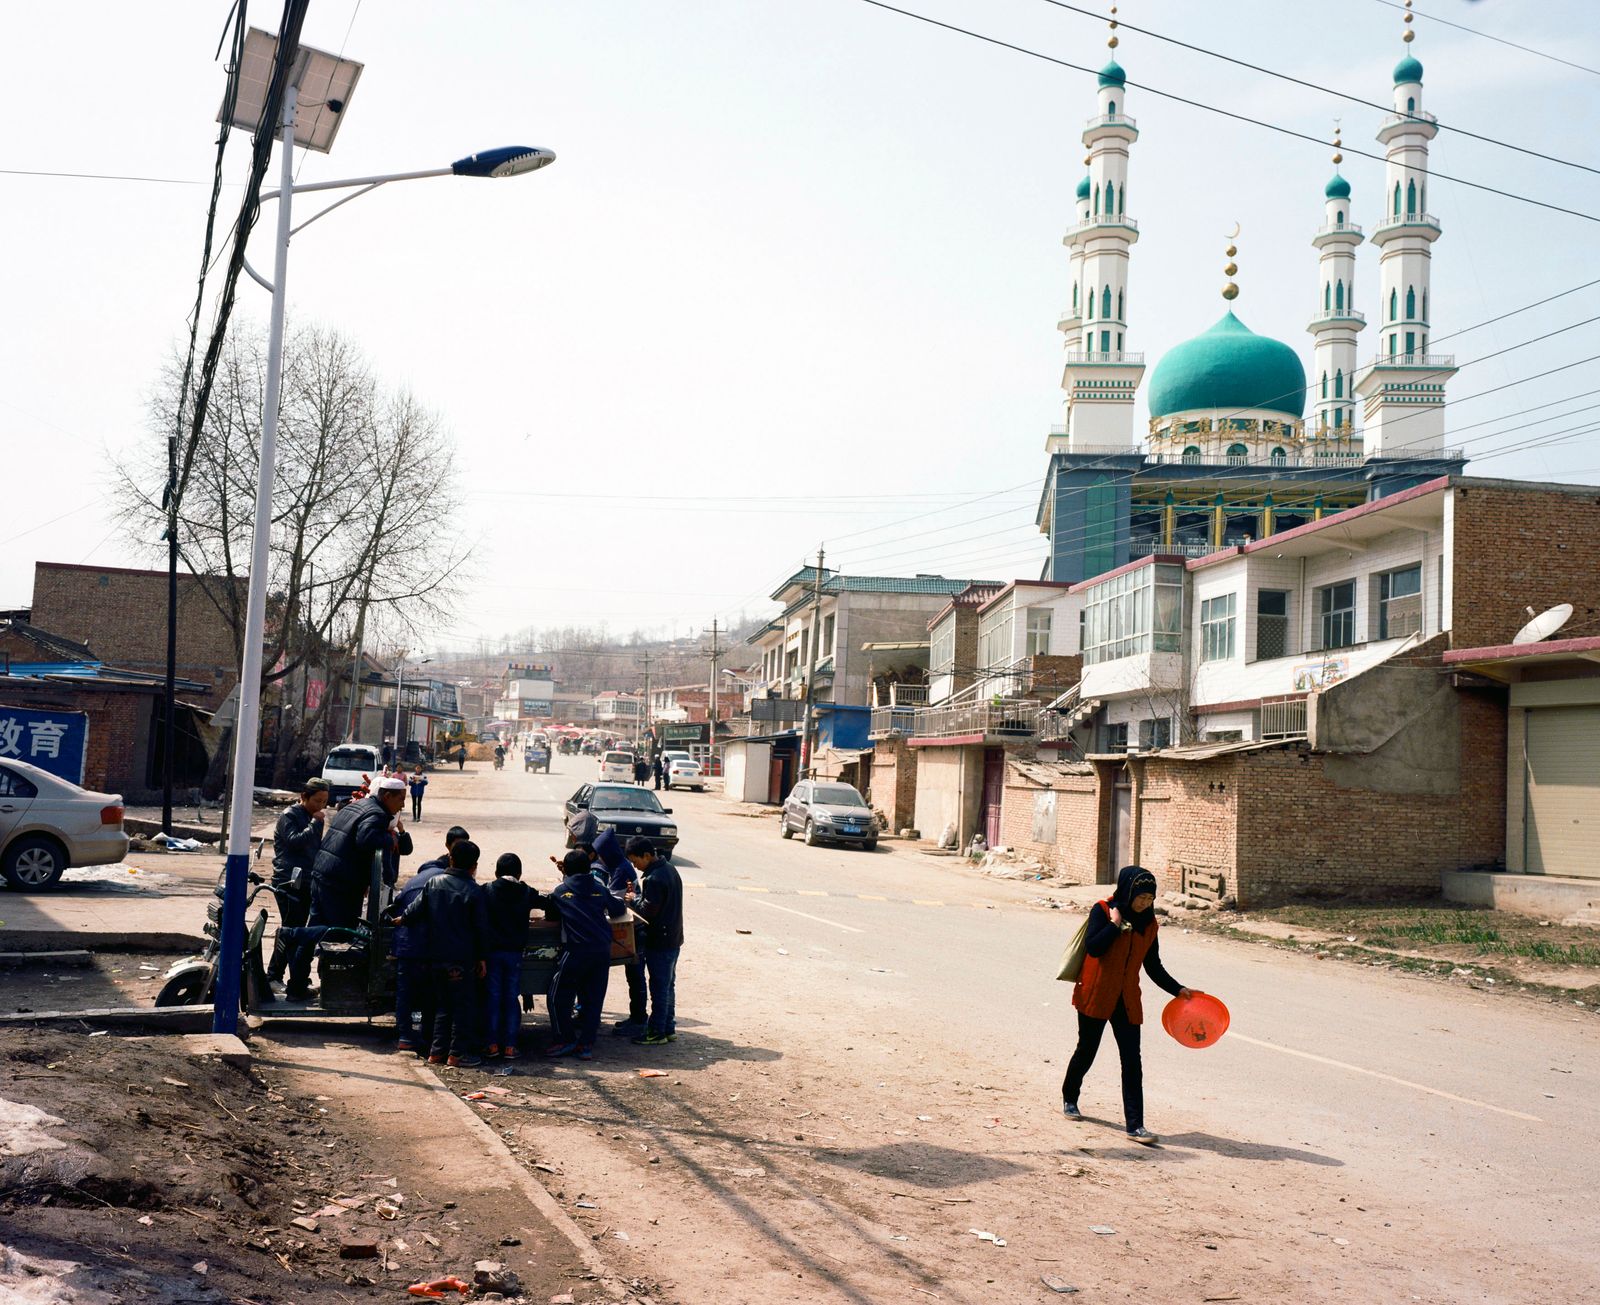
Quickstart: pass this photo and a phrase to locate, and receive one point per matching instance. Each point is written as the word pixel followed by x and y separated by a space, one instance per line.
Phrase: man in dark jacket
pixel 587 909
pixel 660 940
pixel 413 989
pixel 451 910
pixel 616 871
pixel 294 847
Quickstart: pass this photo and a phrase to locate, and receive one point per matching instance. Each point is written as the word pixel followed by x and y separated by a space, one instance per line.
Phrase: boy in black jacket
pixel 508 903
pixel 452 909
pixel 587 909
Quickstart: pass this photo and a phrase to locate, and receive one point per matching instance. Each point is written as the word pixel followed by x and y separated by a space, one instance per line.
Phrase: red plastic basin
pixel 1195 1021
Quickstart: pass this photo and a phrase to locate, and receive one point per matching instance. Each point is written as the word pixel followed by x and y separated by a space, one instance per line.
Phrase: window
pixel 1216 628
pixel 1424 304
pixel 1280 455
pixel 1394 304
pixel 1111 108
pixel 1411 343
pixel 1192 453
pixel 1074 296
pixel 826 649
pixel 1411 303
pixel 1038 644
pixel 1338 218
pixel 1137 612
pixel 942 653
pixel 805 647
pixel 1097 199
pixel 1091 314
pixel 1400 603
pixel 1237 453
pixel 1272 624
pixel 1338 296
pixel 1111 199
pixel 1114 738
pixel 1336 606
pixel 1338 384
pixel 1324 385
pixel 1119 305
pixel 1155 733
pixel 15 785
pixel 1105 301
pixel 1411 199
pixel 1105 341
pixel 1327 296
pixel 1397 199
pixel 995 633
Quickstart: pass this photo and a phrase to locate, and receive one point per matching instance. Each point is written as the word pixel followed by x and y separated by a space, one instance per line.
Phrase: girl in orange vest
pixel 1121 937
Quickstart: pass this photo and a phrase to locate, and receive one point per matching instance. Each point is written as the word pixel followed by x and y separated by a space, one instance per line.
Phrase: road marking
pixel 697 885
pixel 870 897
pixel 923 901
pixel 748 888
pixel 848 928
pixel 1389 1078
pixel 810 892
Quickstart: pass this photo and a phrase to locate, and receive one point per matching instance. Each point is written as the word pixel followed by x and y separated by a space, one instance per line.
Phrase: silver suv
pixel 826 811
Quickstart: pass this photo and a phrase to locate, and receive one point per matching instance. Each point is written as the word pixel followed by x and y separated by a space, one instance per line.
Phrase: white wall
pixel 746 767
pixel 941 777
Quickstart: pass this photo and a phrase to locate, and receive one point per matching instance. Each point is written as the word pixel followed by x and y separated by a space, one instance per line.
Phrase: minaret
pixel 1071 322
pixel 1403 388
pixel 1336 322
pixel 1101 376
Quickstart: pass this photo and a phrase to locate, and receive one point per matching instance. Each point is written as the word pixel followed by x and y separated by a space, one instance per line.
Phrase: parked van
pixel 348 767
pixel 616 768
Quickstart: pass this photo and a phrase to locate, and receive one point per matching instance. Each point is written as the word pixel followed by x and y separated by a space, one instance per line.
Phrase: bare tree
pixel 364 504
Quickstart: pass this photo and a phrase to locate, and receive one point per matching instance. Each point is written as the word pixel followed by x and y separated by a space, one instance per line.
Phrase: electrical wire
pixel 1217 109
pixel 102 176
pixel 1490 36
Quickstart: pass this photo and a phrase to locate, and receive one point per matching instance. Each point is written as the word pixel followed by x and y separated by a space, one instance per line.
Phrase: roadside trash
pixel 1341 1241
pixel 146 1220
pixel 1195 1021
pixel 474 1096
pixel 492 1275
pixel 781 952
pixel 173 1082
pixel 359 1246
pixel 179 844
pixel 1058 1285
pixel 587 1205
pixel 741 931
pixel 925 1118
pixel 99 1033
pixel 652 1073
pixel 509 1240
pixel 1102 1229
pixel 202 1268
pixel 987 1236
pixel 306 1222
pixel 621 1236
pixel 387 1210
pixel 436 1289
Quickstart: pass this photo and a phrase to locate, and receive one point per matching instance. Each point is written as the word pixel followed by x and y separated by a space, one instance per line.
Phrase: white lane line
pixel 848 928
pixel 1389 1078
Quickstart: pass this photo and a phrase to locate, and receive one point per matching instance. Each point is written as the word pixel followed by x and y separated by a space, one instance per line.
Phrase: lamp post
pixel 400 723
pixel 330 81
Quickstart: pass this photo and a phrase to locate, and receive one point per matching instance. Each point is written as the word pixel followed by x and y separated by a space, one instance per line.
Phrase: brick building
pixel 122 614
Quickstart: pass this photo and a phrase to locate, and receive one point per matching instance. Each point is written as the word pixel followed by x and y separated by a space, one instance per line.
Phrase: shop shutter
pixel 1564 791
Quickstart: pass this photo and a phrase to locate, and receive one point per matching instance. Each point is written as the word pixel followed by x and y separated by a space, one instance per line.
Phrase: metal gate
pixel 994 791
pixel 1119 847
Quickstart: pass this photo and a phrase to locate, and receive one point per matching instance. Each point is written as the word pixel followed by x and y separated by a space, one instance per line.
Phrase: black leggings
pixel 1126 1033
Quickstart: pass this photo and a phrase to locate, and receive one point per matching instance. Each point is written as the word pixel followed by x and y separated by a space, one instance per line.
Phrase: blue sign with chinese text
pixel 56 741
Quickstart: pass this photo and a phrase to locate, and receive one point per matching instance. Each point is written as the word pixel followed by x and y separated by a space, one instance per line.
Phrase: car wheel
pixel 871 845
pixel 34 863
pixel 783 825
pixel 811 834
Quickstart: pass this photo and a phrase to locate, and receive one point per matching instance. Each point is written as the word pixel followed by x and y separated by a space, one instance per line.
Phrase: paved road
pixel 869 1071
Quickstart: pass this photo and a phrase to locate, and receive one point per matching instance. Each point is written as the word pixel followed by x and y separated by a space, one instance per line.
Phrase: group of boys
pixel 459 947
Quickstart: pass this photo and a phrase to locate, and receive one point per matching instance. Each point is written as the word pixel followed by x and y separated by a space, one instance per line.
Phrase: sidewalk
pixel 151 902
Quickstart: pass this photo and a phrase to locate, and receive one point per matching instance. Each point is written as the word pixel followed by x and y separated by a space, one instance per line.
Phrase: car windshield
pixel 837 795
pixel 624 799
pixel 619 759
pixel 348 759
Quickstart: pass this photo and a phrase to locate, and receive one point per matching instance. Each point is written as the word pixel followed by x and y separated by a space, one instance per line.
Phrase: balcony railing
pixel 1403 119
pixel 1102 220
pixel 1400 455
pixel 1115 358
pixel 1006 717
pixel 1407 220
pixel 1283 720
pixel 892 720
pixel 1443 361
pixel 1338 229
pixel 1339 315
pixel 1151 546
pixel 1111 120
pixel 1296 459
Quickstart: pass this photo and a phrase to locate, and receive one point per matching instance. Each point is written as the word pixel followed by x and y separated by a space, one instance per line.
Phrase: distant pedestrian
pixel 419 785
pixel 388 755
pixel 509 902
pixel 295 841
pixel 659 769
pixel 610 864
pixel 1121 939
pixel 660 940
pixel 587 910
pixel 413 985
pixel 461 757
pixel 451 909
pixel 641 770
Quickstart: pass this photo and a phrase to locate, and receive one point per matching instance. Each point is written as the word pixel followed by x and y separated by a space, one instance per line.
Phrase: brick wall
pixel 966 647
pixel 1517 548
pixel 894 782
pixel 1074 853
pixel 1187 817
pixel 122 615
pixel 118 756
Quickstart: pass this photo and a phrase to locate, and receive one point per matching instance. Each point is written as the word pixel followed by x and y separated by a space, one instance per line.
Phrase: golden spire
pixel 1112 43
pixel 1409 37
pixel 1230 291
pixel 1338 142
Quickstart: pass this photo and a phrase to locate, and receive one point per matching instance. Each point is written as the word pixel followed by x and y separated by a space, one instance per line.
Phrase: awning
pixel 1505 661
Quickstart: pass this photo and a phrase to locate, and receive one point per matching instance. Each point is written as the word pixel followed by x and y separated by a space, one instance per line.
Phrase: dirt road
pixel 868 1074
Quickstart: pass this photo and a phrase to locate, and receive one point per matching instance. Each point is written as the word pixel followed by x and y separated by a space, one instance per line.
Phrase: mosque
pixel 1231 453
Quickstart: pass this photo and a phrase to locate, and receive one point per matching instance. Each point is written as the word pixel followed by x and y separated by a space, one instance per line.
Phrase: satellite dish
pixel 1545 624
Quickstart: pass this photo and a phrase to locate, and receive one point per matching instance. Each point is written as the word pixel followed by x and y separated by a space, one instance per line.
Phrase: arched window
pixel 1105 341
pixel 1237 453
pixel 1192 453
pixel 1424 305
pixel 1119 341
pixel 1119 306
pixel 1411 303
pixel 1324 385
pixel 1111 108
pixel 1338 297
pixel 1397 199
pixel 1338 218
pixel 1091 303
pixel 1422 198
pixel 1411 104
pixel 1088 343
pixel 1394 304
pixel 1411 199
pixel 1105 301
pixel 1097 198
pixel 1327 296
pixel 1280 455
pixel 1111 199
pixel 1074 296
pixel 1338 384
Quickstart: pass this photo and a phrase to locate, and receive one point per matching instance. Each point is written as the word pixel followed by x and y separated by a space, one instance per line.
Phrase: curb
pixel 535 1191
pixel 50 940
pixel 165 1019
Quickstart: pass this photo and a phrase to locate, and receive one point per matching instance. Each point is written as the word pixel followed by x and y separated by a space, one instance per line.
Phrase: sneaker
pixel 651 1040
pixel 1071 1111
pixel 560 1049
pixel 585 1053
pixel 405 1044
pixel 492 1051
pixel 630 1021
pixel 299 994
pixel 436 1060
pixel 510 1053
pixel 1143 1136
pixel 628 1028
pixel 465 1062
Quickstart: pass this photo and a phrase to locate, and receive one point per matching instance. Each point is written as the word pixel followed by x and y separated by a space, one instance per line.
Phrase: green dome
pixel 1337 188
pixel 1232 368
pixel 1407 70
pixel 1083 188
pixel 1112 74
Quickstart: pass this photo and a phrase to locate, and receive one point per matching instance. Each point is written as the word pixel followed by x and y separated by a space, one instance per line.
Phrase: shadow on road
pixel 1237 1150
pixel 922 1165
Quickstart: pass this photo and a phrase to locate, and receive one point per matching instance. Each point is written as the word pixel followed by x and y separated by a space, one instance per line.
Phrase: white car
pixel 685 772
pixel 615 768
pixel 350 766
pixel 48 823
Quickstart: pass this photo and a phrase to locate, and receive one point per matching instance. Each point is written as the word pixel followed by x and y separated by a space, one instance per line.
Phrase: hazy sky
pixel 794 278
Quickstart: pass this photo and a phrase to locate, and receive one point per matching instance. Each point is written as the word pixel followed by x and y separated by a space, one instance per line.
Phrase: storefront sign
pixel 56 741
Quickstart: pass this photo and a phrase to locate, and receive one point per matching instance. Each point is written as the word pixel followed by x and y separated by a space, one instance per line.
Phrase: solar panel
pixel 325 83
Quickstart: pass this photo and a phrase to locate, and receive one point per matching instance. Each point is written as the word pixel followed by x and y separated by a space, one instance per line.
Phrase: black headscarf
pixel 1131 881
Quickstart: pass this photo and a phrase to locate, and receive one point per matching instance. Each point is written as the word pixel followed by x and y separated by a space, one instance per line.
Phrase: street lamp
pixel 400 723
pixel 328 82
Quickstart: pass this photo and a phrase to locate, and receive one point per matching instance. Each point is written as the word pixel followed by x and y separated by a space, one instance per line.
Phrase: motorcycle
pixel 499 761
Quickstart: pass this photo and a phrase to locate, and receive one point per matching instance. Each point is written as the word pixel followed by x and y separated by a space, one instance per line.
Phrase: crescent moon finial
pixel 1234 234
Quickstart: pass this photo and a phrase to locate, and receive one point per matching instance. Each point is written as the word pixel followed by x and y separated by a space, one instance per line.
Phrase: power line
pixel 1217 109
pixel 1313 86
pixel 104 176
pixel 1499 40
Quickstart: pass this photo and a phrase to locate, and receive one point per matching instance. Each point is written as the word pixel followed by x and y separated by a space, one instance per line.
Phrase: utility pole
pixel 647 693
pixel 711 702
pixel 169 695
pixel 806 734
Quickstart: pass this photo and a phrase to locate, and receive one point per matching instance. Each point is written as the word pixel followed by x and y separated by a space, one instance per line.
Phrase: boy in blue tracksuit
pixel 587 908
pixel 509 902
pixel 456 924
pixel 616 871
pixel 413 985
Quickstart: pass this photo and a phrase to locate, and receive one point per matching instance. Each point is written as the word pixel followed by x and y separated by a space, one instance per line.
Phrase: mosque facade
pixel 1242 443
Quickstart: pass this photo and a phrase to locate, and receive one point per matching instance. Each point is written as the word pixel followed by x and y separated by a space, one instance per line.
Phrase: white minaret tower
pixel 1336 323
pixel 1071 321
pixel 1403 388
pixel 1101 376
